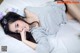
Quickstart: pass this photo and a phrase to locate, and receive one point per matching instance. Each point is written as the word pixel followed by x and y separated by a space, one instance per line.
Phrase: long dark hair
pixel 11 17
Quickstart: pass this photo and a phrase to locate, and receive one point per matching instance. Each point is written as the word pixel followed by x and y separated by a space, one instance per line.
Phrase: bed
pixel 72 28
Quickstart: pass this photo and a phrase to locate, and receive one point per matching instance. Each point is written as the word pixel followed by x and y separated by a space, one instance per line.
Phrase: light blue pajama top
pixel 51 17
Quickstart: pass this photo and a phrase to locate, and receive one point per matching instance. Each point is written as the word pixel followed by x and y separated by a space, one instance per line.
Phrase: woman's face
pixel 18 26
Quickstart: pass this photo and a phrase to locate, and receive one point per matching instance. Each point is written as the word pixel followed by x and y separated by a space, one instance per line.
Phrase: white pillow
pixel 33 3
pixel 21 4
pixel 8 4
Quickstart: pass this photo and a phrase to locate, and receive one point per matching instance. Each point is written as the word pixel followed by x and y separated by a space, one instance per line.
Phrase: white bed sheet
pixel 67 39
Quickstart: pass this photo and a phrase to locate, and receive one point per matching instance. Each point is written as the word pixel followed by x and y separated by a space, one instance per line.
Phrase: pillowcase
pixel 36 3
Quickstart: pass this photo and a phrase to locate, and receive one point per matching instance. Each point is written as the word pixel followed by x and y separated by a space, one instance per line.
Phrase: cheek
pixel 12 29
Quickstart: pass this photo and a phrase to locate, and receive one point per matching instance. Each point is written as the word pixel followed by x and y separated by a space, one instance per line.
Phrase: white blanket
pixel 67 39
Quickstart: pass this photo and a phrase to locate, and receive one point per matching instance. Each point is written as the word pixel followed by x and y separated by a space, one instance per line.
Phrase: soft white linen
pixel 33 3
pixel 21 4
pixel 67 39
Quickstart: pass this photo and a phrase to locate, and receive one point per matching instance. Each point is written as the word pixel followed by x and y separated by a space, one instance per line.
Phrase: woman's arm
pixel 73 10
pixel 29 43
pixel 69 17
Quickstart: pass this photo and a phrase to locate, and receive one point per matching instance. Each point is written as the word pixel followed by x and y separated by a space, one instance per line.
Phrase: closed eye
pixel 16 26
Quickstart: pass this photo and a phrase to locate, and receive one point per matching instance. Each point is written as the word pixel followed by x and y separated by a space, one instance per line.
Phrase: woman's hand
pixel 23 34
pixel 29 43
pixel 30 17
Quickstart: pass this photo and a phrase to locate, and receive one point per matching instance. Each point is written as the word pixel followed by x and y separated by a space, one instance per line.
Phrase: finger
pixel 23 31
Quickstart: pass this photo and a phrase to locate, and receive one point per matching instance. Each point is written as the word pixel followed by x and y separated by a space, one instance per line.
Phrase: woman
pixel 52 17
pixel 20 25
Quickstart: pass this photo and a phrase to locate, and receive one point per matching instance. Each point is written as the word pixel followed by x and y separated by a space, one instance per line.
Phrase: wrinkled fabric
pixel 51 16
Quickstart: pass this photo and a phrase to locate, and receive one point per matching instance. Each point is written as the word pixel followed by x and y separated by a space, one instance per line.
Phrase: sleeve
pixel 40 37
